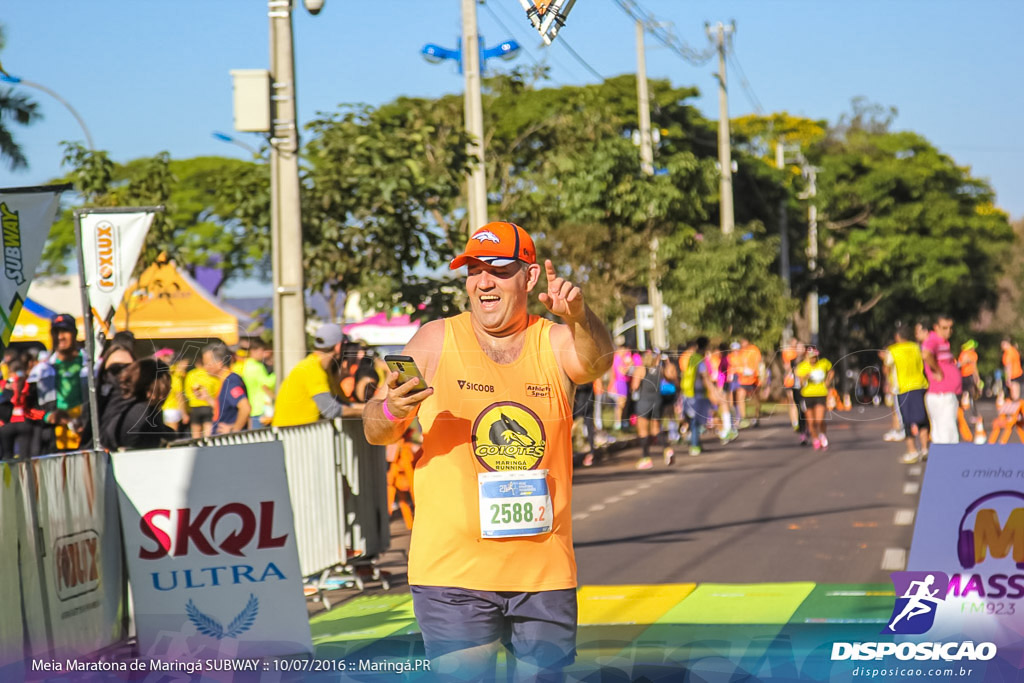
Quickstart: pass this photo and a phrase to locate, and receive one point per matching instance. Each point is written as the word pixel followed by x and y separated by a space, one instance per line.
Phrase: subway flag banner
pixel 26 215
pixel 111 243
pixel 970 528
pixel 212 558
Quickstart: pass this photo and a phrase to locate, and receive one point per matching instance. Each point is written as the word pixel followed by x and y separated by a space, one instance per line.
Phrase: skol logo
pixel 76 559
pixel 200 529
pixel 106 250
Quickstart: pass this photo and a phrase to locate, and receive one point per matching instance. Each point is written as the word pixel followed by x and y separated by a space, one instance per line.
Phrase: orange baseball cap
pixel 498 244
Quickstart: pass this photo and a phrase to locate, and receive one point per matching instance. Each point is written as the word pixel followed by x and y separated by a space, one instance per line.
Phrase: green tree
pixel 904 229
pixel 381 189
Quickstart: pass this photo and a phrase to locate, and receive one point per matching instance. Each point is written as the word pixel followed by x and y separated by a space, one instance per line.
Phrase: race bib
pixel 514 504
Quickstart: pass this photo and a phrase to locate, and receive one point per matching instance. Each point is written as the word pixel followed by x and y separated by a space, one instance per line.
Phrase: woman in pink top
pixel 622 366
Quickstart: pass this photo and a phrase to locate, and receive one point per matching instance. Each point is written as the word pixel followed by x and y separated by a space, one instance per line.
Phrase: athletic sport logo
pixel 486 236
pixel 918 595
pixel 508 437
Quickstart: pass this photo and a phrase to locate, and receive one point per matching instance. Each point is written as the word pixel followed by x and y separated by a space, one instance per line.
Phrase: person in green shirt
pixel 259 382
pixel 815 375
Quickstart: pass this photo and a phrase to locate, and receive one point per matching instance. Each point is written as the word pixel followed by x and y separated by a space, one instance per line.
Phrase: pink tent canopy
pixel 379 330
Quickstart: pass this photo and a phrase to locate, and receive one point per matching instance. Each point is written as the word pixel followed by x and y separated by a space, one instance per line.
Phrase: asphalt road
pixel 760 509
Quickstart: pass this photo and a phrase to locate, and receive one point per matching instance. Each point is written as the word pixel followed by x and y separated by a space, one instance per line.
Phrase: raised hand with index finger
pixel 562 297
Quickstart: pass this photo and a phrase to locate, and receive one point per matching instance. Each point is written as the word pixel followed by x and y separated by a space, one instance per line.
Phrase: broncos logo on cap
pixel 486 236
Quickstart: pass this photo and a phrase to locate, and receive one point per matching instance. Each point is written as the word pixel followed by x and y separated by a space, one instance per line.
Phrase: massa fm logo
pixel 486 236
pixel 508 436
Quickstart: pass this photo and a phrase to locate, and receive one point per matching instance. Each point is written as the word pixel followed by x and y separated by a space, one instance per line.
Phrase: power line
pixel 490 10
pixel 664 35
pixel 747 89
pixel 579 59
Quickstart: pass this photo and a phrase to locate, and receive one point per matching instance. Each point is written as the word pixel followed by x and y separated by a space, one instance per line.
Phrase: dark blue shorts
pixel 912 408
pixel 540 628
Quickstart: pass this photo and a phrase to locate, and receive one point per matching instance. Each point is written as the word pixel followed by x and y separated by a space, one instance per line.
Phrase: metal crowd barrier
pixel 63 584
pixel 338 486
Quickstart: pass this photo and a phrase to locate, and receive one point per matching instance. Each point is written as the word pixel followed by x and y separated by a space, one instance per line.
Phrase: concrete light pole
pixel 719 36
pixel 286 208
pixel 476 195
pixel 659 335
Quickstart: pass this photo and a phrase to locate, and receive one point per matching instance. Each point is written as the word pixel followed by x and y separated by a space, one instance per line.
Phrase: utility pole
pixel 476 194
pixel 784 269
pixel 719 36
pixel 659 337
pixel 812 250
pixel 286 207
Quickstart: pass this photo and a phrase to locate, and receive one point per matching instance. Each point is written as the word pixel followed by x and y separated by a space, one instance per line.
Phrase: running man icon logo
pixel 486 236
pixel 918 598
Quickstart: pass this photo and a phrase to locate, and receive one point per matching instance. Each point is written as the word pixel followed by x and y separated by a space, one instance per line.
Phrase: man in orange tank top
pixel 491 559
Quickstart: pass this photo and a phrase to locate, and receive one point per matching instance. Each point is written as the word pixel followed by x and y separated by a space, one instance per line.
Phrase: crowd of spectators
pixel 146 400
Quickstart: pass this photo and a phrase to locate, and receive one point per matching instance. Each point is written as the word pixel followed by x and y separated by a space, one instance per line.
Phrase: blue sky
pixel 148 76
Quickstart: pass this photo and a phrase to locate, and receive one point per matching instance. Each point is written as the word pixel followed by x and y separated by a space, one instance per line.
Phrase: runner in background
pixel 970 381
pixel 897 433
pixel 697 388
pixel 1011 368
pixel 748 379
pixel 943 382
pixel 815 374
pixel 645 387
pixel 792 355
pixel 908 370
pixel 722 375
pixel 622 366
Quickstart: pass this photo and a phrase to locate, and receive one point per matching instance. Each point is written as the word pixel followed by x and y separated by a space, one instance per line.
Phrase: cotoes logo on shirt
pixel 508 436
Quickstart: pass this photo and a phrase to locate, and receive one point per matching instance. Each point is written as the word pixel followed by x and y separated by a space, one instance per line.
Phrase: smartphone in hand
pixel 406 368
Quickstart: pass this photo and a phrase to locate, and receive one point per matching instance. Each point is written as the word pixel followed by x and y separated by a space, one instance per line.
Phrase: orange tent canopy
pixel 168 304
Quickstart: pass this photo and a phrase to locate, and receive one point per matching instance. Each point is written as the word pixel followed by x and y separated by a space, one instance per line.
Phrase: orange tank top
pixel 466 425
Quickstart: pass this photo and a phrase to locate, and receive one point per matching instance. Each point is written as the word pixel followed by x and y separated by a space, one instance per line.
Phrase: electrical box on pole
pixel 251 99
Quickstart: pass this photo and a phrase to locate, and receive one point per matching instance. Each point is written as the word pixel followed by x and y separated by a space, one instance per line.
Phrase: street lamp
pixel 7 78
pixel 470 67
pixel 224 137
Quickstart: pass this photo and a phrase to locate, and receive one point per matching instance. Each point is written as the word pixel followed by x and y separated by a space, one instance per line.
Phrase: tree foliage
pixel 905 230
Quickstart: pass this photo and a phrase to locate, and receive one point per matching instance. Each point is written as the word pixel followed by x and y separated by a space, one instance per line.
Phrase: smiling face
pixel 498 295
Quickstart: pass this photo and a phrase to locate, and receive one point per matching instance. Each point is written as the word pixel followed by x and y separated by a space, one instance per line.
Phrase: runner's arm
pixel 401 399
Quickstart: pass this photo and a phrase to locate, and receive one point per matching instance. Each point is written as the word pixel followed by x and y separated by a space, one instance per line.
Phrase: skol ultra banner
pixel 210 542
pixel 111 243
pixel 25 219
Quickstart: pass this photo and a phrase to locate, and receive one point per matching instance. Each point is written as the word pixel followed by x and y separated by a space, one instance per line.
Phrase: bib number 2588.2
pixel 514 504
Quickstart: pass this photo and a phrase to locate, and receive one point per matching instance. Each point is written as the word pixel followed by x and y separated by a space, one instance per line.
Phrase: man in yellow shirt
pixel 911 384
pixel 306 394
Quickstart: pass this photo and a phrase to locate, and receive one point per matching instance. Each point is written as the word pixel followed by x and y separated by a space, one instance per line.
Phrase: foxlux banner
pixel 25 220
pixel 210 543
pixel 111 243
pixel 966 566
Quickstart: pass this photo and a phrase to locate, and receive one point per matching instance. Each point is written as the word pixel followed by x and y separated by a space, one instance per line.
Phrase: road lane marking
pixel 914 471
pixel 911 488
pixel 894 560
pixel 903 518
pixel 580 515
pixel 630 492
pixel 596 507
pixel 612 500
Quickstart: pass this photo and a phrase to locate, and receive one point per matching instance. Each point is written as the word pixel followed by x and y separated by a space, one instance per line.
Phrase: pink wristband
pixel 387 413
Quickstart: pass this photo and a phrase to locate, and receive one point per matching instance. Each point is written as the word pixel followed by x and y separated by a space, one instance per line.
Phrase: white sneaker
pixel 910 458
pixel 893 435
